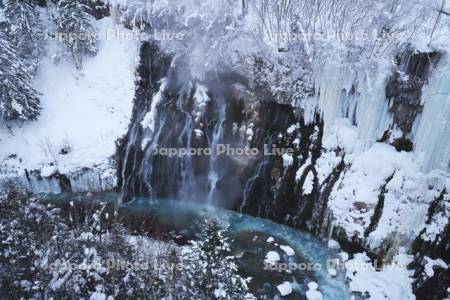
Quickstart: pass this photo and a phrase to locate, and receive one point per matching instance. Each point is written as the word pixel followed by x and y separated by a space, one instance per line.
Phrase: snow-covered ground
pixel 84 112
pixel 392 282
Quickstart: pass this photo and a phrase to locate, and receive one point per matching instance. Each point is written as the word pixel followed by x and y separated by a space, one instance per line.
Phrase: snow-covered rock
pixel 285 288
pixel 272 257
pixel 332 244
pixel 288 250
pixel 313 286
pixel 312 293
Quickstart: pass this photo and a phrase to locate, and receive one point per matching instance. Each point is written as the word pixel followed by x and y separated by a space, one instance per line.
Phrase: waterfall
pixel 174 110
pixel 214 162
pixel 251 183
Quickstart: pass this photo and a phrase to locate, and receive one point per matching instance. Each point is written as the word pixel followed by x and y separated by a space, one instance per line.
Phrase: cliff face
pixel 354 174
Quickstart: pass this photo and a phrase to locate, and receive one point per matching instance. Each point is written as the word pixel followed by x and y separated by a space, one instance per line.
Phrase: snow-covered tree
pixel 74 28
pixel 18 99
pixel 25 226
pixel 210 270
pixel 25 28
pixel 83 251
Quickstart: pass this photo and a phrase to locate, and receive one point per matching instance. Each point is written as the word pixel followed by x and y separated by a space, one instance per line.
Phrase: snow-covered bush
pixel 26 226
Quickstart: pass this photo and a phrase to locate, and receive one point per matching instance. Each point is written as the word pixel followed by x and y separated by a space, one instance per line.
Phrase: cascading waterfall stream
pixel 250 183
pixel 214 162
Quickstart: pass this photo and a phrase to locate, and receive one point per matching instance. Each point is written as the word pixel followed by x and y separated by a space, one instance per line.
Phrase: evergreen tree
pixel 18 99
pixel 25 28
pixel 210 270
pixel 75 29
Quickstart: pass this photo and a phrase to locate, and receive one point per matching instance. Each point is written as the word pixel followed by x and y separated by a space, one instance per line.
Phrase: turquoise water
pixel 250 244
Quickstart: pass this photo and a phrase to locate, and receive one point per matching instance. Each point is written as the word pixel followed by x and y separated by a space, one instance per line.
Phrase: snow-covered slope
pixel 84 113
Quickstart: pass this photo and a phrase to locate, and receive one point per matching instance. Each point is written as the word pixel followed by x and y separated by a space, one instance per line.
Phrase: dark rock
pixel 404 88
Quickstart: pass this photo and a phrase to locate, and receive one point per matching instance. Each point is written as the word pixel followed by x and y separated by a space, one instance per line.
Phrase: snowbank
pixel 392 282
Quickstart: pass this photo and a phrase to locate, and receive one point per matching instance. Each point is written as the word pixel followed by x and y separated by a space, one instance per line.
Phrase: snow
pixel 97 296
pixel 308 185
pixel 270 239
pixel 406 201
pixel 220 293
pixel 48 170
pixel 88 110
pixel 313 286
pixel 292 128
pixel 332 272
pixel 343 256
pixel 288 250
pixel 438 221
pixel 392 282
pixel 198 132
pixel 332 244
pixel 312 293
pixel 288 160
pixel 285 288
pixel 343 135
pixel 249 133
pixel 301 170
pixel 431 264
pixel 356 194
pixel 325 165
pixel 272 257
pixel 149 120
pixel 201 100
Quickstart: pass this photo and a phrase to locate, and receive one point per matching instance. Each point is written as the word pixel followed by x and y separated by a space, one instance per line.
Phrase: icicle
pixel 358 96
pixel 432 129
